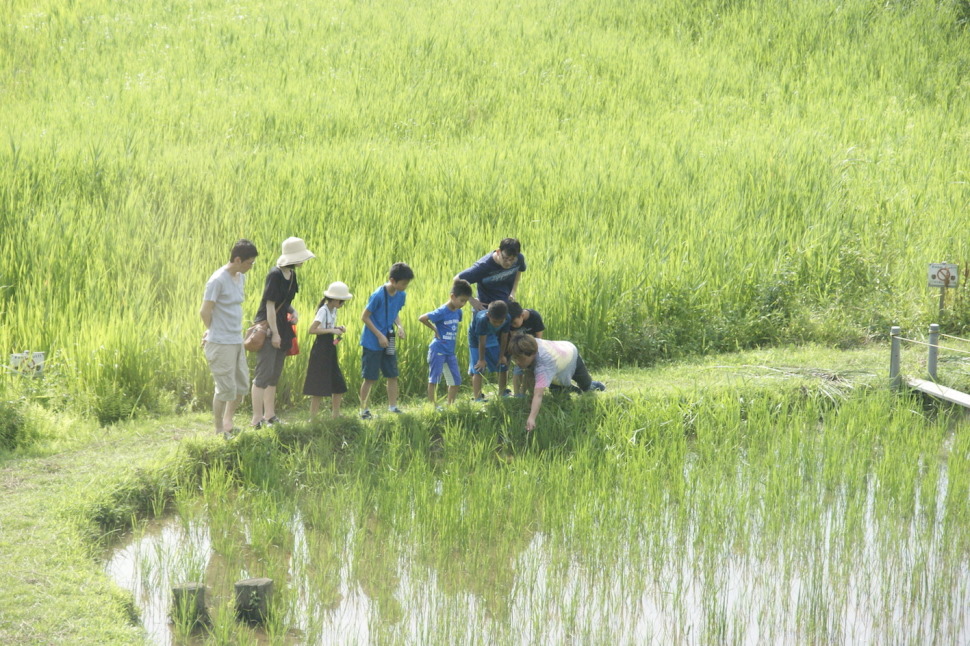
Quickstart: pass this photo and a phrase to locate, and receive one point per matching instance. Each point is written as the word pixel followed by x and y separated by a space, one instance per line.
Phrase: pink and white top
pixel 555 363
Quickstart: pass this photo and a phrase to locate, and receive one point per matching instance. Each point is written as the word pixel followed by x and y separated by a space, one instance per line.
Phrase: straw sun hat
pixel 294 251
pixel 338 291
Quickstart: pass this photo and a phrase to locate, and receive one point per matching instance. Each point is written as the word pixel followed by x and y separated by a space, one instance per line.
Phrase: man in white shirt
pixel 223 339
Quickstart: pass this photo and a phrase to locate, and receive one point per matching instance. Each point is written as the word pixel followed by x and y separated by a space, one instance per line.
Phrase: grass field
pixel 684 178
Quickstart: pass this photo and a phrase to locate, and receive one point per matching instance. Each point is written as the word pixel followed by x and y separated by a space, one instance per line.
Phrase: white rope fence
pixel 934 348
pixel 934 345
pixel 956 338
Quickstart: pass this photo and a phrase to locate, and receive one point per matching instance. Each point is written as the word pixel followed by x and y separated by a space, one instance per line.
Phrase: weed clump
pixel 15 431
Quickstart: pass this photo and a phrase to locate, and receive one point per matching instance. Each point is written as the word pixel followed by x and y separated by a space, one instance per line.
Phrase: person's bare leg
pixel 269 402
pixel 392 392
pixel 257 397
pixel 218 413
pixel 365 388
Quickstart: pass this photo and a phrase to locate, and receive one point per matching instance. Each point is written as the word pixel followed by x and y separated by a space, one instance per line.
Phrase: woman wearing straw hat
pixel 278 292
pixel 323 375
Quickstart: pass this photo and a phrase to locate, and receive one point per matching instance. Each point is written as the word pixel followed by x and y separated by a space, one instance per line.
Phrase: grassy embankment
pixel 70 495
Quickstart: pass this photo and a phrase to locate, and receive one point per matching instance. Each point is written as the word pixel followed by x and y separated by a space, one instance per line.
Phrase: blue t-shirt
pixel 383 311
pixel 446 321
pixel 494 281
pixel 480 325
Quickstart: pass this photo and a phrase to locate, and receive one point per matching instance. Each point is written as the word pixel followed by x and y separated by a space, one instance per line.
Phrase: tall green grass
pixel 684 178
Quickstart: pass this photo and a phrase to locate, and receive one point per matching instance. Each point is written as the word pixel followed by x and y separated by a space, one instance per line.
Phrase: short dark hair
pixel 498 310
pixel 244 250
pixel 515 310
pixel 400 271
pixel 461 287
pixel 522 345
pixel 510 247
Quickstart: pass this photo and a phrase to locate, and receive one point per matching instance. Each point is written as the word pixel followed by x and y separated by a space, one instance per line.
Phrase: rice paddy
pixel 685 178
pixel 737 518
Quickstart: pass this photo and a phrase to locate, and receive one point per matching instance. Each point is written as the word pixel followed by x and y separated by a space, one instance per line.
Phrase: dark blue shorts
pixel 374 363
pixel 491 359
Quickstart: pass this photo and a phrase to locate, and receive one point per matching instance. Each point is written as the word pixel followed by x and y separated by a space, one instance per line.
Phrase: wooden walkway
pixel 941 392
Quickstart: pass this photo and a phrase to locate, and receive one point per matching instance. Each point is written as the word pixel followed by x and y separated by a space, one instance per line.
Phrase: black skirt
pixel 323 376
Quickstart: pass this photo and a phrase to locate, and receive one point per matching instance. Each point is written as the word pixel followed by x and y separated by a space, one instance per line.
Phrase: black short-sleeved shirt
pixel 532 325
pixel 280 291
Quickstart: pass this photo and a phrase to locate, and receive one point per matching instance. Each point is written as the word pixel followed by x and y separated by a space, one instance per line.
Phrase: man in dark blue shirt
pixel 496 274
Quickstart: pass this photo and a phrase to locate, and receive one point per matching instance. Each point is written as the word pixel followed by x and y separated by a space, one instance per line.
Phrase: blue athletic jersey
pixel 446 322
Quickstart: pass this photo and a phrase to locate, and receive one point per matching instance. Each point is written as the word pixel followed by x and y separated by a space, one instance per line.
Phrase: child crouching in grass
pixel 444 323
pixel 488 336
pixel 555 364
pixel 524 321
pixel 323 375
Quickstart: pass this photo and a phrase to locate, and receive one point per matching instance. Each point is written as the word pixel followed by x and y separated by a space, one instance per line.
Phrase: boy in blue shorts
pixel 441 352
pixel 488 335
pixel 382 327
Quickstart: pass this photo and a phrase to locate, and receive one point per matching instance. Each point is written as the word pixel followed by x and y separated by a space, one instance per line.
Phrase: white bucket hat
pixel 338 291
pixel 294 251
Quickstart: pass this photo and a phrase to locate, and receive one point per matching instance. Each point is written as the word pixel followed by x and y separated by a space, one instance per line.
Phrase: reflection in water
pixel 366 582
pixel 164 555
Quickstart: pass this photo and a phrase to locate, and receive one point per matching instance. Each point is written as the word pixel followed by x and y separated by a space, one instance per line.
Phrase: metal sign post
pixel 945 276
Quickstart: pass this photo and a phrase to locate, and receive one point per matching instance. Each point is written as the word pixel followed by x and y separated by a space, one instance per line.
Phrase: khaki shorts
pixel 227 363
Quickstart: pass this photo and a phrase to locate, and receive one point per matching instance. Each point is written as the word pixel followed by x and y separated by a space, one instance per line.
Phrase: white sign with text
pixel 943 274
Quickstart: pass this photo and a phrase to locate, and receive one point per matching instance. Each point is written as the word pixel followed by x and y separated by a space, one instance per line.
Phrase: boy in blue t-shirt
pixel 378 339
pixel 441 352
pixel 488 336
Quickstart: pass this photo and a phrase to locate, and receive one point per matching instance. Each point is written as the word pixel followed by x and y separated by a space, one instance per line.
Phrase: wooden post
pixel 894 380
pixel 252 599
pixel 188 605
pixel 934 350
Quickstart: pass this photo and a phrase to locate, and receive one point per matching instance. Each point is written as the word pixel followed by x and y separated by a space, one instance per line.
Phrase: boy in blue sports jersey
pixel 441 352
pixel 381 327
pixel 488 335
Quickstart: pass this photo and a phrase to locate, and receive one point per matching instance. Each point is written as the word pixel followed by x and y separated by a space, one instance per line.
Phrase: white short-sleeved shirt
pixel 326 317
pixel 555 363
pixel 226 292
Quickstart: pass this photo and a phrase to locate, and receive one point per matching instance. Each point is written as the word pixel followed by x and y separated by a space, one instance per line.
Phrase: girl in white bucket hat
pixel 276 308
pixel 323 375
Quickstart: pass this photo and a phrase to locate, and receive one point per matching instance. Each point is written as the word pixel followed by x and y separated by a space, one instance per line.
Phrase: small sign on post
pixel 945 276
pixel 30 364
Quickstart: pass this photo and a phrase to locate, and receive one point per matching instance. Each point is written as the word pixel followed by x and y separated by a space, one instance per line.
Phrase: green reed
pixel 683 179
